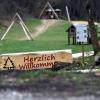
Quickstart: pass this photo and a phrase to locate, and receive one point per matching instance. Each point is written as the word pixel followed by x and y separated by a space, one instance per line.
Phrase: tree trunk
pixel 92 27
pixel 94 39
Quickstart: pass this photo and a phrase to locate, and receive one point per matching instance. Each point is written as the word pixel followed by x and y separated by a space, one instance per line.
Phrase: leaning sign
pixel 34 60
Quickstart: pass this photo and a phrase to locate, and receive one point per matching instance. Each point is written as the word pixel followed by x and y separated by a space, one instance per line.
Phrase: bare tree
pixel 92 28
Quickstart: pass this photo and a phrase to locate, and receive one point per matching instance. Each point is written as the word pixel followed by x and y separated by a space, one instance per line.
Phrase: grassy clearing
pixel 55 33
pixel 54 38
pixel 30 46
pixel 16 31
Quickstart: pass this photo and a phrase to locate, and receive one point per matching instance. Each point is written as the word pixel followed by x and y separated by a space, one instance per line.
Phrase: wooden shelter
pixel 71 34
pixel 79 29
pixel 48 12
pixel 58 12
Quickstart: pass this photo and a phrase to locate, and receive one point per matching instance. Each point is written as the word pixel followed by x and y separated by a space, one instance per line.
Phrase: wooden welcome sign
pixel 34 60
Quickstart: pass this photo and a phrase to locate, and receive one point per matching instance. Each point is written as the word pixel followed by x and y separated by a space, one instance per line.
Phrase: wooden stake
pixel 8 30
pixel 82 44
pixel 25 31
pixel 68 14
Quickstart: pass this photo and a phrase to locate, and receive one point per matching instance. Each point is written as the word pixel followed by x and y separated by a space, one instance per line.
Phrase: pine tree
pixel 7 66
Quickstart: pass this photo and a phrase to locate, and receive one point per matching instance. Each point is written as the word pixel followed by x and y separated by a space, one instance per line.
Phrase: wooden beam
pixel 8 30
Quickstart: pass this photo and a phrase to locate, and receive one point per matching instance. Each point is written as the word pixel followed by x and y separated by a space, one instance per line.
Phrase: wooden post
pixel 8 30
pixel 25 31
pixel 68 39
pixel 82 45
pixel 68 14
pixel 43 10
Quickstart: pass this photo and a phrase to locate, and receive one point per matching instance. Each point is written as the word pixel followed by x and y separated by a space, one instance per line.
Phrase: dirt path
pixel 42 28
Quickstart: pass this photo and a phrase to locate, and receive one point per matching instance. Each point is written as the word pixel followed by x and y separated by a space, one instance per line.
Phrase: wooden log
pixel 34 60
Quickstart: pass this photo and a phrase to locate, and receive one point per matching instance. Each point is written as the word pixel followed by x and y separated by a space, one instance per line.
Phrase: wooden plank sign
pixel 34 60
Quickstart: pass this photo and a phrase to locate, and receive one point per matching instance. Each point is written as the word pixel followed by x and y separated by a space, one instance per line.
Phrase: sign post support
pixel 82 45
pixel 81 37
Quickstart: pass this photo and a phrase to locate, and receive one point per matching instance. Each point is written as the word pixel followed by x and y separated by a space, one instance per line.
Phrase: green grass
pixel 42 73
pixel 30 46
pixel 55 38
pixel 56 33
pixel 48 73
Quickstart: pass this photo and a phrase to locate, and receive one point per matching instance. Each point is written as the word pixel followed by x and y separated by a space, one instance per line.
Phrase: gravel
pixel 17 95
